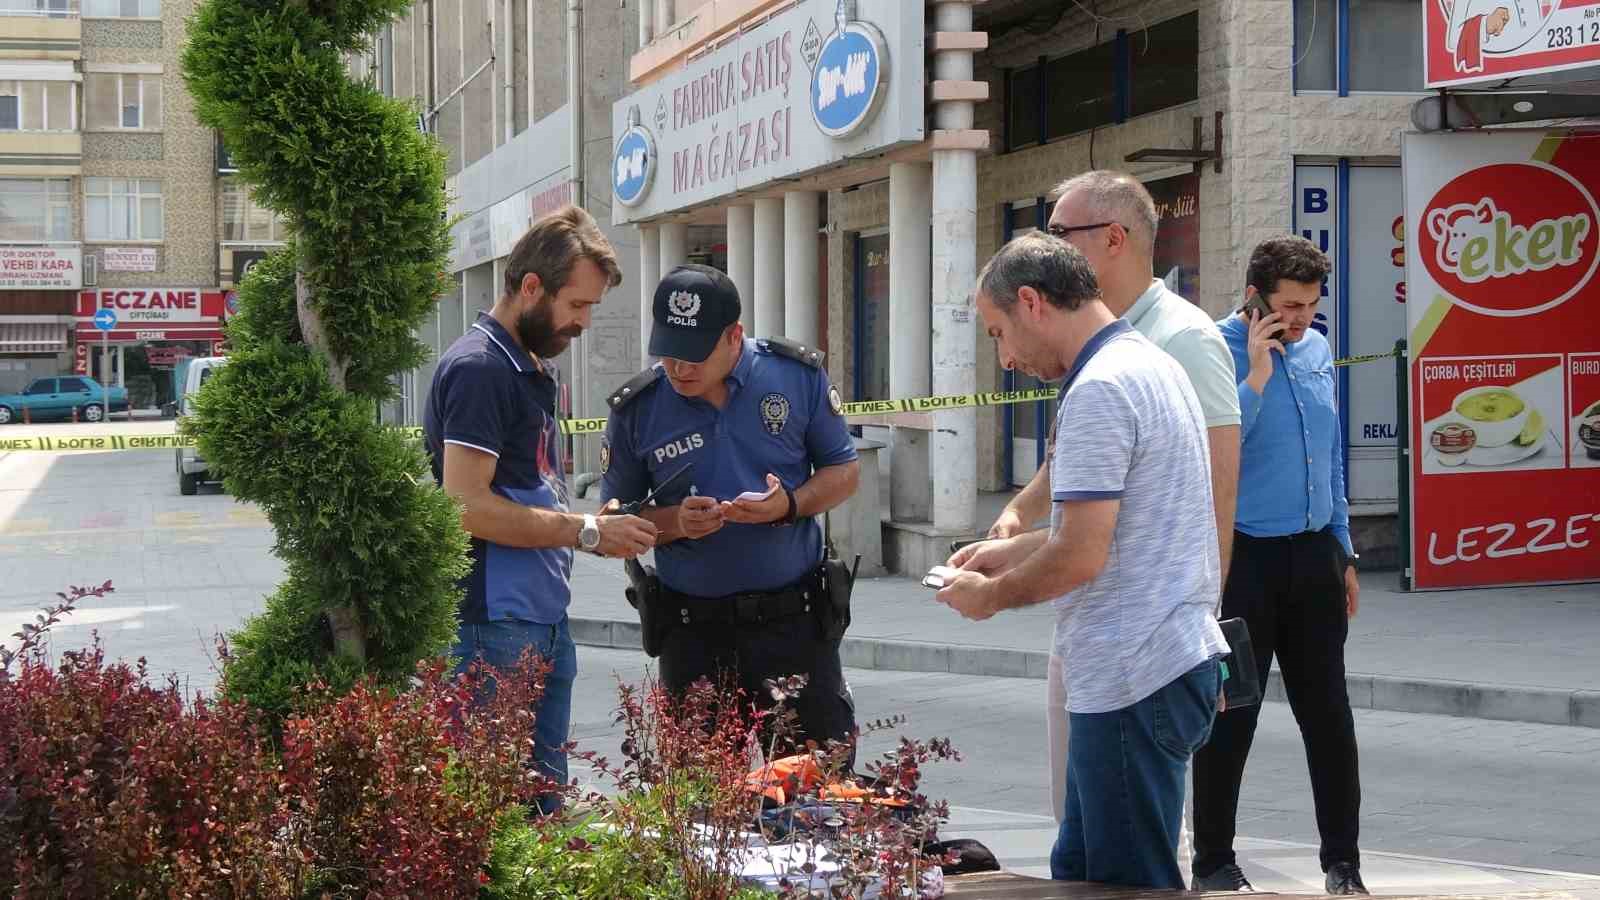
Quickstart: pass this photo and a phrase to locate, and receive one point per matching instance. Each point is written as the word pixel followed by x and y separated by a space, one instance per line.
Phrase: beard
pixel 536 330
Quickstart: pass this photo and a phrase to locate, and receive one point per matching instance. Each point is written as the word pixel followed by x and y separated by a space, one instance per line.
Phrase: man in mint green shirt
pixel 1111 219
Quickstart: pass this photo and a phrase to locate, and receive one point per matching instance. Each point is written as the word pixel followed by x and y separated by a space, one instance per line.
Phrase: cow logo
pixel 849 75
pixel 835 402
pixel 1510 239
pixel 682 307
pixel 633 165
pixel 774 413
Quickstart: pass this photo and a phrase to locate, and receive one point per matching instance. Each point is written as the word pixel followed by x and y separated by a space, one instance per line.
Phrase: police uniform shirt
pixel 780 417
pixel 490 396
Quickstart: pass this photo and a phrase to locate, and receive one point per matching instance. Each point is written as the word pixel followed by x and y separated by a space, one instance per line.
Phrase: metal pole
pixel 1402 418
pixel 105 381
pixel 575 96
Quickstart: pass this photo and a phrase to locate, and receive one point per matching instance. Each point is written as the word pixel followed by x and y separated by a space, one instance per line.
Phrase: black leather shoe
pixel 1345 878
pixel 1228 878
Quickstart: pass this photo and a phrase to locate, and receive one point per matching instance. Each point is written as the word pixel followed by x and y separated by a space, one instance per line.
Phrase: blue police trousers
pixel 500 644
pixel 1125 778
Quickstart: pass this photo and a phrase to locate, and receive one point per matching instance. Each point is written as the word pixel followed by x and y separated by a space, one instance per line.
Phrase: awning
pixel 31 337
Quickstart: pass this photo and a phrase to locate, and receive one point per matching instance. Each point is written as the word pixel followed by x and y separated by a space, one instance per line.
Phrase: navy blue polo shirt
pixel 490 395
pixel 778 418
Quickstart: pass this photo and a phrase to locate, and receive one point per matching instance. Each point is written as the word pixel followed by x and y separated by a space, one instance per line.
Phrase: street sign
pixel 105 319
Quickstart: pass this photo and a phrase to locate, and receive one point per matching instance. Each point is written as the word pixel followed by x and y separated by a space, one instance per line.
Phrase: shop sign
pixel 1502 246
pixel 41 267
pixel 128 259
pixel 1469 41
pixel 774 102
pixel 136 307
pixel 80 358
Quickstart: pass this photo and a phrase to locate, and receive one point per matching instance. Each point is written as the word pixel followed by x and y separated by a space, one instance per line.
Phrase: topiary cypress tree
pixel 373 549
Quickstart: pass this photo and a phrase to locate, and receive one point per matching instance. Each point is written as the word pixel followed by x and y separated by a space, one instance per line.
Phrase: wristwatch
pixel 589 534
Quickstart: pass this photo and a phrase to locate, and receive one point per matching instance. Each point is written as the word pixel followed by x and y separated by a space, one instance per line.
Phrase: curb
pixel 1547 706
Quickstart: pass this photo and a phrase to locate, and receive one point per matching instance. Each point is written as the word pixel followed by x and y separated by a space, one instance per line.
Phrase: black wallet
pixel 1241 682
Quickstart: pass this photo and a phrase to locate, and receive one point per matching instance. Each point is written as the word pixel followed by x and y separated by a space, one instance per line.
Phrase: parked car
pixel 192 467
pixel 58 396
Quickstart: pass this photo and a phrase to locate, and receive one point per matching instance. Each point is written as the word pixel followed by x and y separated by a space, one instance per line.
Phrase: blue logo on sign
pixel 847 81
pixel 105 319
pixel 633 165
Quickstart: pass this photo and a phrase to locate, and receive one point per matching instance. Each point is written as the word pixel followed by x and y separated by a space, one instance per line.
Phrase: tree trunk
pixel 349 637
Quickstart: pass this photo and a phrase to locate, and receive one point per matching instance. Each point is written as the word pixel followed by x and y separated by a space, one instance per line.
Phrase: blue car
pixel 58 397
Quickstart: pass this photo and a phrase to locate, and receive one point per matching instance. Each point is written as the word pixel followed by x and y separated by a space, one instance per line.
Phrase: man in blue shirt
pixel 1293 578
pixel 491 430
pixel 739 552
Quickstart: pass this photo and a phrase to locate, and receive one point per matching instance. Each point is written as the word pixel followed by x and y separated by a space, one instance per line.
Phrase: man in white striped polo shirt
pixel 1130 559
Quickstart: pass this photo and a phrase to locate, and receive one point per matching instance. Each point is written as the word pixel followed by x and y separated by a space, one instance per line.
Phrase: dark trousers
pixel 1290 591
pixel 751 652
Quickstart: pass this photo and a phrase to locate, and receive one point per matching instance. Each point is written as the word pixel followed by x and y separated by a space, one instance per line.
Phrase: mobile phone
pixel 1259 305
pixel 938 577
pixel 756 496
pixel 958 546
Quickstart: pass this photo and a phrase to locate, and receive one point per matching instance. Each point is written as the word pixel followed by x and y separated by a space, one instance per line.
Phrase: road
pixel 1449 805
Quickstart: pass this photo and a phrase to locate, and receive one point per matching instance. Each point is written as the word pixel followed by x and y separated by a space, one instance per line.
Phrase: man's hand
pixel 699 517
pixel 1264 331
pixel 969 594
pixel 759 512
pixel 623 537
pixel 1352 592
pixel 1009 524
pixel 991 558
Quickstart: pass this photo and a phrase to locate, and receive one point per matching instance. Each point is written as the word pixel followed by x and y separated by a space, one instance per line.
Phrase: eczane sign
pixel 807 89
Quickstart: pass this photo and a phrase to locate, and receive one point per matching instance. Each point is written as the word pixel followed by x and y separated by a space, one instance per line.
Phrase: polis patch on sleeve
pixel 835 402
pixel 774 413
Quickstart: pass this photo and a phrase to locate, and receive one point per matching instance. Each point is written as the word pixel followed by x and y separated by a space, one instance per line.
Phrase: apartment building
pixel 112 197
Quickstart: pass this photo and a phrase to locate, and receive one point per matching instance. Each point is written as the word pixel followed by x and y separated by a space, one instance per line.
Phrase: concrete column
pixel 674 246
pixel 649 274
pixel 769 268
pixel 955 237
pixel 742 262
pixel 666 14
pixel 910 312
pixel 801 282
pixel 647 23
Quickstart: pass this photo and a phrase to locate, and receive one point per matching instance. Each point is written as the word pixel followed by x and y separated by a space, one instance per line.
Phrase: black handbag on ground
pixel 1241 681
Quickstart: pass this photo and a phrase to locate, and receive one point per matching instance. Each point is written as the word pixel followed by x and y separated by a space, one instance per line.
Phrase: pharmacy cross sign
pixel 848 76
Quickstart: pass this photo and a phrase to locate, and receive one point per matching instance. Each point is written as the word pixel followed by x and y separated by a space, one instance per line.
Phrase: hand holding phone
pixel 939 576
pixel 756 496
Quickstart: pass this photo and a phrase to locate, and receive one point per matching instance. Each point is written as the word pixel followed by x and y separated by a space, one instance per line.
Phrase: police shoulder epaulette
pixel 794 350
pixel 636 385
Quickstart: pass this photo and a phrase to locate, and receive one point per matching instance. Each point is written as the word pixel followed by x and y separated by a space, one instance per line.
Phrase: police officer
pixel 740 557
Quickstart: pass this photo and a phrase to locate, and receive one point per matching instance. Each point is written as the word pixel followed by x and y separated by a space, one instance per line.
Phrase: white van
pixel 192 468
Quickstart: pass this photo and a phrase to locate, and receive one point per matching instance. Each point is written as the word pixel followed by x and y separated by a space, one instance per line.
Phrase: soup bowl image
pixel 1496 414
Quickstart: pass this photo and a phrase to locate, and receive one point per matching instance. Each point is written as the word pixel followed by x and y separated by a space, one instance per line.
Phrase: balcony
pixel 41 29
pixel 40 154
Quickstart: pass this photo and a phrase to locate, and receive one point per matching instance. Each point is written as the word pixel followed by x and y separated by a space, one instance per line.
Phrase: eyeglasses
pixel 1061 231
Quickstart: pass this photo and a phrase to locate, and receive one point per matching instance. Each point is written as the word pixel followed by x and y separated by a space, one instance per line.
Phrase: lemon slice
pixel 1531 431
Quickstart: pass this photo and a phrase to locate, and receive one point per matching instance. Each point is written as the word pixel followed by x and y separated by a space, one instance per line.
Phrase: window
pixel 35 209
pixel 1383 51
pixel 122 9
pixel 1081 91
pixel 1165 64
pixel 122 209
pixel 42 386
pixel 54 9
pixel 73 386
pixel 121 101
pixel 244 220
pixel 38 106
pixel 1022 100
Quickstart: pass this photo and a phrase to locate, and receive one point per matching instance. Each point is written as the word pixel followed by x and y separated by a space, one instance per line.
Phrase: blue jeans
pixel 1125 774
pixel 500 644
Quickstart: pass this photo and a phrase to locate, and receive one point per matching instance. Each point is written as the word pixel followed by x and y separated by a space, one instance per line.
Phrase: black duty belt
pixel 744 609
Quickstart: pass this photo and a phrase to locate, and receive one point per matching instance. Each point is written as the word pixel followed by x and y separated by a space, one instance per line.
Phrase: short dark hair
pixel 1050 266
pixel 554 245
pixel 1287 258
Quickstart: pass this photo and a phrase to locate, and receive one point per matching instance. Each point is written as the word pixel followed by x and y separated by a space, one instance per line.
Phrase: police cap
pixel 693 305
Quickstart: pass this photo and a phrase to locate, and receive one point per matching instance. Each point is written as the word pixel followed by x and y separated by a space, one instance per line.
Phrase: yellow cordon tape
pixel 105 442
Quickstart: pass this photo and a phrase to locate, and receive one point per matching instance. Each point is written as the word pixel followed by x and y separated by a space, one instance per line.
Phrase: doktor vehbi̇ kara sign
pixel 1503 312
pixel 809 88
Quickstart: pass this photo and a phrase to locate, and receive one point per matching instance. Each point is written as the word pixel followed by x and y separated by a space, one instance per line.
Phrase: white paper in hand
pixel 939 576
pixel 756 496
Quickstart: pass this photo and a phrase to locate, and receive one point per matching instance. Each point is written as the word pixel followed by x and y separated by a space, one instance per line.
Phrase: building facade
pixel 112 197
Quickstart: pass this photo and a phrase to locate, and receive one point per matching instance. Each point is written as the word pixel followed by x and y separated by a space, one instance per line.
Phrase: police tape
pixel 112 442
